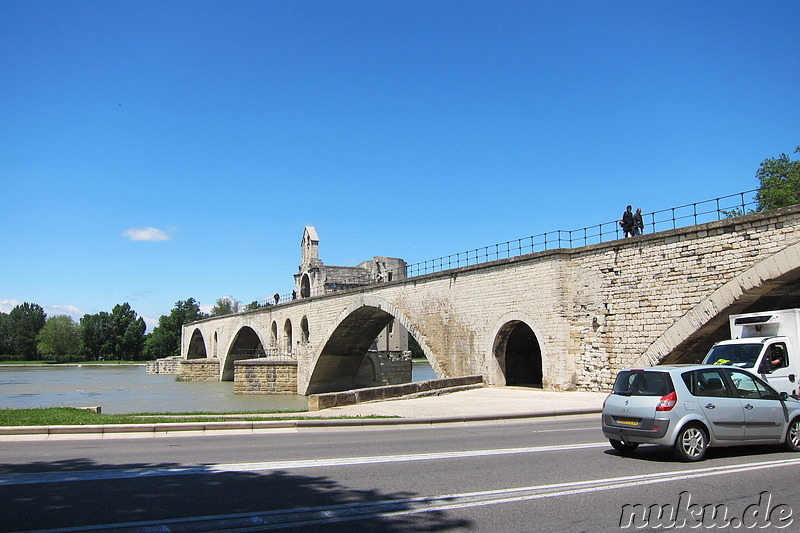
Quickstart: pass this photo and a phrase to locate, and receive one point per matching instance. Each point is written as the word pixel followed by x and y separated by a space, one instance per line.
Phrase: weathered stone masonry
pixel 593 310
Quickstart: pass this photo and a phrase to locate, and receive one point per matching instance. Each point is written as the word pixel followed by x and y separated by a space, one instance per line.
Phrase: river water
pixel 129 389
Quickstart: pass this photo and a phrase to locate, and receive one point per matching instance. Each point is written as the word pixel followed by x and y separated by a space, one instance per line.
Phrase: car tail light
pixel 667 402
pixel 604 401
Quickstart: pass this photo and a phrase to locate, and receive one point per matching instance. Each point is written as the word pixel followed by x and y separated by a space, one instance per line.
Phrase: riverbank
pixel 477 405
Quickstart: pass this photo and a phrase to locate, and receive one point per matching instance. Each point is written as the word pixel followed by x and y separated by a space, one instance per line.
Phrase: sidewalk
pixel 481 404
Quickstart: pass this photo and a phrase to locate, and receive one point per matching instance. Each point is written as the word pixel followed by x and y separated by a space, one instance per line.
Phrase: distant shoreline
pixel 62 365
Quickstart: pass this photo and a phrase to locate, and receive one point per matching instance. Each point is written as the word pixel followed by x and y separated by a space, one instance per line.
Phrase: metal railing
pixel 273 354
pixel 665 219
pixel 712 210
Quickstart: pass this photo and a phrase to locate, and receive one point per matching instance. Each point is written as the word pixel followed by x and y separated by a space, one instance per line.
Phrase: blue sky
pixel 156 151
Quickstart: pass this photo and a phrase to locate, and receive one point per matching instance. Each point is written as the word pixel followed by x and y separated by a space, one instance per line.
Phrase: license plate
pixel 627 421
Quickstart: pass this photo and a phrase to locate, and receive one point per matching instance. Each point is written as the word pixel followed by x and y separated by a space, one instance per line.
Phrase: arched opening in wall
pixel 305 286
pixel 287 336
pixel 363 351
pixel 197 346
pixel 519 354
pixel 214 346
pixel 782 292
pixel 246 345
pixel 304 333
pixel 273 339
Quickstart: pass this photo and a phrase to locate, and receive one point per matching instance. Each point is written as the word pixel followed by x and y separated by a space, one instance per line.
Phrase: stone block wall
pixel 623 298
pixel 265 376
pixel 371 394
pixel 199 370
pixel 392 367
pixel 165 365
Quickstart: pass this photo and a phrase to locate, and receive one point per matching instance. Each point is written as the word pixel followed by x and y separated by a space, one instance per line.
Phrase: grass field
pixel 68 416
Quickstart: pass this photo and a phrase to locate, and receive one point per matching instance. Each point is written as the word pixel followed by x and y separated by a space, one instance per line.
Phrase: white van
pixel 766 344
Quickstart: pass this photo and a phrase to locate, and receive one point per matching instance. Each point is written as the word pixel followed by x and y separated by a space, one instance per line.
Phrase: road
pixel 552 474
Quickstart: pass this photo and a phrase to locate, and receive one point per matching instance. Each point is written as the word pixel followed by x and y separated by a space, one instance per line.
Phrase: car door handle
pixel 748 407
pixel 710 406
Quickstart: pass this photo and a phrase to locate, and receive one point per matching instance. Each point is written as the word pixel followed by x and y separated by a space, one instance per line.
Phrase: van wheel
pixel 691 443
pixel 624 447
pixel 793 435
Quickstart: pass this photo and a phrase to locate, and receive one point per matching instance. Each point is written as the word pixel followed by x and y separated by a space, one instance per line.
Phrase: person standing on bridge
pixel 638 223
pixel 627 222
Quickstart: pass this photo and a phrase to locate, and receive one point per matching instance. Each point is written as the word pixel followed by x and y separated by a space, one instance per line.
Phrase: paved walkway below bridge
pixel 485 402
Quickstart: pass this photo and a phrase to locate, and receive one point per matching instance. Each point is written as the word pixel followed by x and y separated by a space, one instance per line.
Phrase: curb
pixel 184 428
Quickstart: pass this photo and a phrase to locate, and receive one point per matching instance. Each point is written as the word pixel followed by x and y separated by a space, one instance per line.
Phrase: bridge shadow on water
pixel 202 500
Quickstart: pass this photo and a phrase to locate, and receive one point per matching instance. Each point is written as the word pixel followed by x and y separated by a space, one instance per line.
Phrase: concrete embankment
pixel 430 387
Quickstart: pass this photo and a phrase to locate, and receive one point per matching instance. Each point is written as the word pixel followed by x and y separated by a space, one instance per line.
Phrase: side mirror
pixel 765 368
pixel 783 395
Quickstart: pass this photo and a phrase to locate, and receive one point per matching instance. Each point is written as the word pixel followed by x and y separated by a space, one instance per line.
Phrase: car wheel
pixel 793 435
pixel 691 443
pixel 624 447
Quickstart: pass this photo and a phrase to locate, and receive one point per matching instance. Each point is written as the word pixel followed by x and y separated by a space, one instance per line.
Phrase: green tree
pixel 225 306
pixel 60 337
pixel 5 334
pixel 165 339
pixel 26 321
pixel 780 182
pixel 95 332
pixel 127 333
pixel 252 306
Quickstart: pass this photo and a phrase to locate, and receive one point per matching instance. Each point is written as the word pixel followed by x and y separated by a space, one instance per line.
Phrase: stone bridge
pixel 562 319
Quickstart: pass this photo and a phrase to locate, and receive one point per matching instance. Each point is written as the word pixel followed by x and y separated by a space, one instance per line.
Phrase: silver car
pixel 693 407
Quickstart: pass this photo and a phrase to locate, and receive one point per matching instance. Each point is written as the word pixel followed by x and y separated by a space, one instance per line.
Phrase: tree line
pixel 27 333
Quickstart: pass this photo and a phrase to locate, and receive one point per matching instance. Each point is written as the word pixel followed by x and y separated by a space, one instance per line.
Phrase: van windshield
pixel 643 383
pixel 741 355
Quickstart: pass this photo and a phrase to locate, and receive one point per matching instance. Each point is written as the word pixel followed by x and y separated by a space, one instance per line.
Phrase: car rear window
pixel 643 383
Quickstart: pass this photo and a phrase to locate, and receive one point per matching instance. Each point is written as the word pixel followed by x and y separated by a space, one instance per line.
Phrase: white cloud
pixel 150 322
pixel 146 234
pixel 52 310
pixel 69 310
pixel 7 305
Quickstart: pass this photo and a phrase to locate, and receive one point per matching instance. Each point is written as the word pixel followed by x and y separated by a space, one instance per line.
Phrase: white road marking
pixel 593 428
pixel 311 516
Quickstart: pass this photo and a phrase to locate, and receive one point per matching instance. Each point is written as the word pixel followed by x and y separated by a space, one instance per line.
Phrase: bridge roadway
pixel 567 319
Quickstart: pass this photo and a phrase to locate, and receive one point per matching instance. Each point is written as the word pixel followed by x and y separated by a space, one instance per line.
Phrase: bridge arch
pixel 287 336
pixel 340 355
pixel 246 344
pixel 197 346
pixel 733 297
pixel 516 352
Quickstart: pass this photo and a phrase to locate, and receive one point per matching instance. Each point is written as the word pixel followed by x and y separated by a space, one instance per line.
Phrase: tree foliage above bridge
pixel 780 182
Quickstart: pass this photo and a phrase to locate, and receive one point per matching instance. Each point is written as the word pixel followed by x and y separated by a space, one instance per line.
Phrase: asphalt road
pixel 553 474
